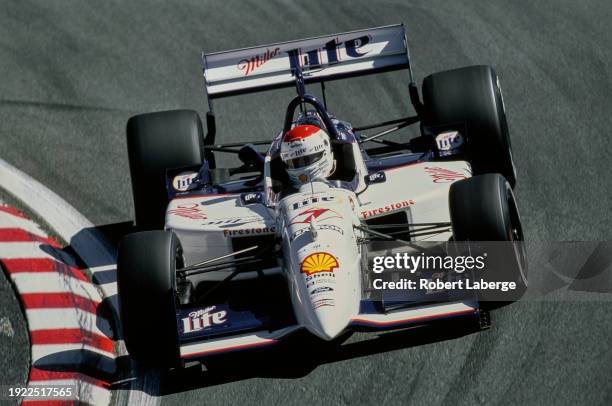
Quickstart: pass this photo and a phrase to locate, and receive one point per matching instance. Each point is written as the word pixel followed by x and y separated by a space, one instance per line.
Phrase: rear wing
pixel 319 59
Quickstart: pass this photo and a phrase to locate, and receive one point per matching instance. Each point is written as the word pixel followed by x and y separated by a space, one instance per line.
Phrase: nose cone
pixel 329 323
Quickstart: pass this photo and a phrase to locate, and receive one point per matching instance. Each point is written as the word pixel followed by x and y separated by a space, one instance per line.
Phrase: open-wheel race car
pixel 195 280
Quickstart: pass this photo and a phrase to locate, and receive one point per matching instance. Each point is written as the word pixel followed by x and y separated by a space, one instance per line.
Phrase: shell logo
pixel 318 262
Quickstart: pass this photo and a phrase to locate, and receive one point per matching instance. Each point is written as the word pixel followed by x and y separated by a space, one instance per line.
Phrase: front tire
pixel 483 209
pixel 146 278
pixel 469 100
pixel 157 142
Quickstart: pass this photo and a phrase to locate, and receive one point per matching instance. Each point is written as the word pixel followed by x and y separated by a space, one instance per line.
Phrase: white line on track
pixel 24 224
pixel 23 250
pixel 72 353
pixel 47 319
pixel 52 282
pixel 85 390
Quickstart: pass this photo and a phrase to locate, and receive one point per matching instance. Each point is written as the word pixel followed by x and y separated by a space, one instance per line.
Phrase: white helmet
pixel 306 152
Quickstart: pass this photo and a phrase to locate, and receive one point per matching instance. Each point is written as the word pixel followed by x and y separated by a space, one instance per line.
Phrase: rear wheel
pixel 470 101
pixel 157 142
pixel 483 209
pixel 146 269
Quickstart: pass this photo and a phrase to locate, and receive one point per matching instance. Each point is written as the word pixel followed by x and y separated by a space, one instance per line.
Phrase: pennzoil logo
pixel 318 262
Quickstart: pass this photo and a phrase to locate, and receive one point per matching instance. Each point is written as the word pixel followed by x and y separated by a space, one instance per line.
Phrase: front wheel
pixel 483 210
pixel 146 278
pixel 158 142
pixel 470 101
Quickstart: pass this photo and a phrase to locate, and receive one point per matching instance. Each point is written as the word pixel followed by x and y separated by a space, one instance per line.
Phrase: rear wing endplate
pixel 319 59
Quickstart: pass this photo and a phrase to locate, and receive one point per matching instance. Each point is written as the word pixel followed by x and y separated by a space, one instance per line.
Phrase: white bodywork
pixel 420 189
pixel 317 220
pixel 322 256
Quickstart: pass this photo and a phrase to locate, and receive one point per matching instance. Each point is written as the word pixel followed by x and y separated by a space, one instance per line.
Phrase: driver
pixel 307 155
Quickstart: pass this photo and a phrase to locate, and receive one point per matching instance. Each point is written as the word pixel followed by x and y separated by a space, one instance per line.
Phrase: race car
pixel 230 259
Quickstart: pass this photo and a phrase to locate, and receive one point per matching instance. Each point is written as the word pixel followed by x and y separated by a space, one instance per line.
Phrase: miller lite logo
pixel 202 319
pixel 449 140
pixel 313 200
pixel 250 198
pixel 329 53
pixel 376 177
pixel 254 62
pixel 184 181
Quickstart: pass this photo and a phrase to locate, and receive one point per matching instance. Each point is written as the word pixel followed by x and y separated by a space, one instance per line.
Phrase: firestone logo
pixel 247 231
pixel 203 318
pixel 388 208
pixel 249 65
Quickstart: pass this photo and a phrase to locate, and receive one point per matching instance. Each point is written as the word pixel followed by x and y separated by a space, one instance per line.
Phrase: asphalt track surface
pixel 13 335
pixel 72 72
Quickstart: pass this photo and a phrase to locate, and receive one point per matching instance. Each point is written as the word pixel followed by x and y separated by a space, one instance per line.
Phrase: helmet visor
pixel 304 161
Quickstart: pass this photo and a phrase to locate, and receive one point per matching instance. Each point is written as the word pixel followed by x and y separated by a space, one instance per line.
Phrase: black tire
pixel 483 209
pixel 157 142
pixel 469 99
pixel 146 269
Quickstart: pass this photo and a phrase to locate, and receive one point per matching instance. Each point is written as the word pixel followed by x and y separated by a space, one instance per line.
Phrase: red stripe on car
pixel 231 348
pixel 412 319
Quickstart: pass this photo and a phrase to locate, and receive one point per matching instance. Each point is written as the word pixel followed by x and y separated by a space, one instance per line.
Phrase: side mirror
pixel 250 157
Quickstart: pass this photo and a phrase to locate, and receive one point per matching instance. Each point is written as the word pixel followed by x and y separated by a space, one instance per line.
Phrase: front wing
pixel 229 334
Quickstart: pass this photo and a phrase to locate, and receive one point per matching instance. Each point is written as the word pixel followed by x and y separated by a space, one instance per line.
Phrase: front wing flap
pixel 372 316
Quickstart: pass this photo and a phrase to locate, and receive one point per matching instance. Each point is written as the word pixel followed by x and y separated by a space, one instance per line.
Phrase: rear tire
pixel 470 100
pixel 146 278
pixel 483 209
pixel 157 142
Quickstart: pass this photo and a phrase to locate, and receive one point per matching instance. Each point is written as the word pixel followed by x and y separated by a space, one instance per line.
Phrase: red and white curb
pixel 64 310
pixel 67 334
